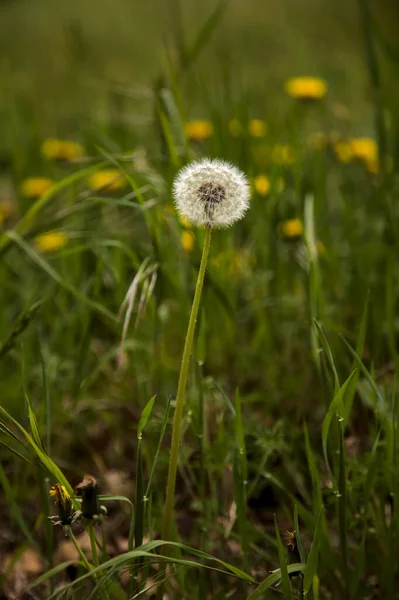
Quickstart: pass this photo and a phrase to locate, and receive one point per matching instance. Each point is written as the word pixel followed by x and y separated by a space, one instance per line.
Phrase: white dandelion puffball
pixel 211 192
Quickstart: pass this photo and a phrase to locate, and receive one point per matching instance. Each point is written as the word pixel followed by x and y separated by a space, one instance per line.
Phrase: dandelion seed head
pixel 211 193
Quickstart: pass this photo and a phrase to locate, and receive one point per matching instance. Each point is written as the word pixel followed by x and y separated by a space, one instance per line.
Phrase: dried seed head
pixel 91 508
pixel 211 192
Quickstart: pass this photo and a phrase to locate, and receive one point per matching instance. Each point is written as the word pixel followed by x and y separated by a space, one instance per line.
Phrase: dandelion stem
pixel 181 392
pixel 79 550
pixel 93 543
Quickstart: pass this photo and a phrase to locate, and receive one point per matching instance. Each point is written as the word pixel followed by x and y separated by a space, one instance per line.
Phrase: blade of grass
pixel 44 265
pixel 285 580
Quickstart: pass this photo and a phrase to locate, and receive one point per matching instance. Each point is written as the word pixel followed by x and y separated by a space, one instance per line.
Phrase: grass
pixel 290 417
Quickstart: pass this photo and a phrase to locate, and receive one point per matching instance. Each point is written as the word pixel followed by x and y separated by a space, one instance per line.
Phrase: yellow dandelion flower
pixel 60 494
pixel 187 241
pixel 184 221
pixel 317 140
pixel 54 149
pixel 33 187
pixel 343 151
pixel 364 148
pixel 262 185
pixel 235 127
pixel 257 128
pixel 107 179
pixel 199 130
pixel 283 154
pixel 306 88
pixel 291 228
pixel 51 241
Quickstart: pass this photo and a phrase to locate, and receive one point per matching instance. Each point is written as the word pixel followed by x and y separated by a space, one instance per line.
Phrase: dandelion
pixel 306 88
pixel 235 127
pixel 34 187
pixel 107 179
pixel 211 192
pixel 51 241
pixel 185 222
pixel 63 502
pixel 199 130
pixel 187 241
pixel 262 185
pixel 88 490
pixel 366 151
pixel 54 149
pixel 343 151
pixel 292 228
pixel 257 128
pixel 214 194
pixel 283 154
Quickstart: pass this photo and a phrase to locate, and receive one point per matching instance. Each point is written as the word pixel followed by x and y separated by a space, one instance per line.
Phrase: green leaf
pixel 51 572
pixel 28 219
pixel 33 423
pixel 311 564
pixel 145 415
pixel 328 353
pixel 285 580
pixel 298 535
pixel 316 485
pixel 273 579
pixel 336 404
pixel 44 265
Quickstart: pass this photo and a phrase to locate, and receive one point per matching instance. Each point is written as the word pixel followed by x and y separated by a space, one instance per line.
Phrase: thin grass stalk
pixel 375 78
pixel 181 392
pixel 342 500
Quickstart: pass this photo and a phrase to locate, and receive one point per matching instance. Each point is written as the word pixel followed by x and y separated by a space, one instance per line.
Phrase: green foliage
pixel 291 404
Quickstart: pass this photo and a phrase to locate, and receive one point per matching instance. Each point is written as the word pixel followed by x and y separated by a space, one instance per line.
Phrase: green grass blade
pixel 328 353
pixel 273 579
pixel 48 269
pixel 285 580
pixel 311 563
pixel 145 415
pixel 336 408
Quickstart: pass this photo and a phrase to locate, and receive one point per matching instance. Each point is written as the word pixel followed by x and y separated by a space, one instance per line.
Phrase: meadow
pixel 285 399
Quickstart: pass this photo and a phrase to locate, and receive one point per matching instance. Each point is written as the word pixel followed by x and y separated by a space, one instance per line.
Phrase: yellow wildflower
pixel 54 149
pixel 199 130
pixel 59 493
pixel 187 241
pixel 291 228
pixel 235 127
pixel 283 154
pixel 51 241
pixel 184 221
pixel 33 187
pixel 343 151
pixel 262 185
pixel 365 150
pixel 257 128
pixel 109 179
pixel 306 88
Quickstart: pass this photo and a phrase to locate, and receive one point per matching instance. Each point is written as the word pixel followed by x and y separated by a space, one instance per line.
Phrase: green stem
pixel 93 543
pixel 94 551
pixel 79 550
pixel 181 392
